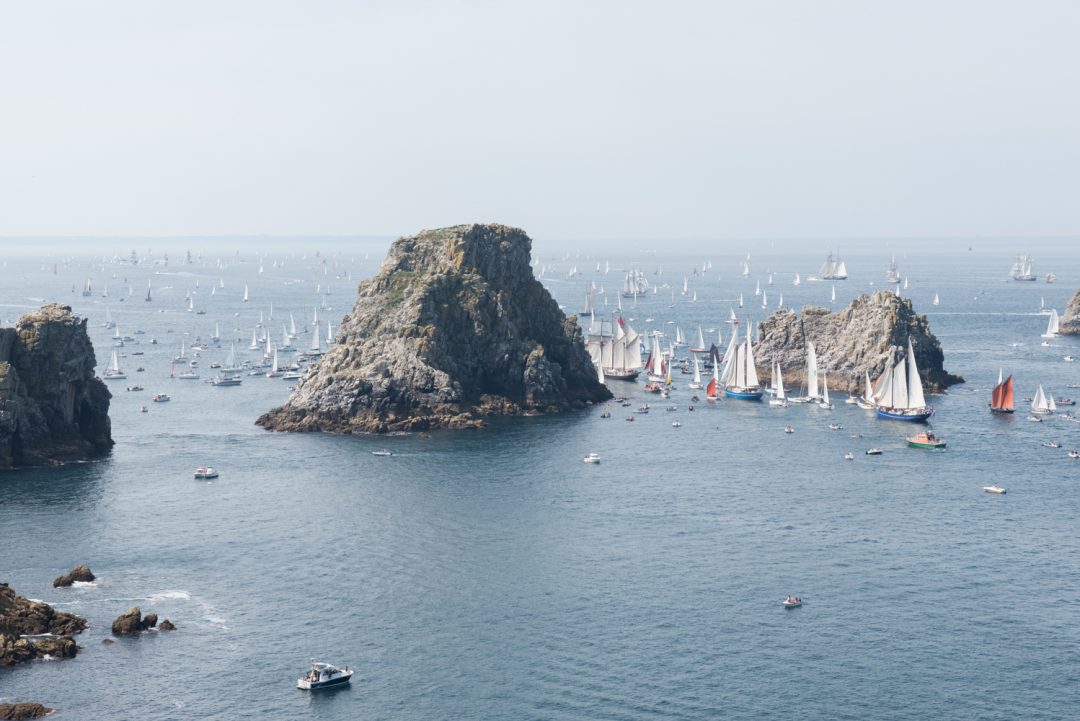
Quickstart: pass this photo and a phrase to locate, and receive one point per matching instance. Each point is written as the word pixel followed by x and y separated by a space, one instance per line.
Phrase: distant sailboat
pixel 696 383
pixel 1053 326
pixel 892 275
pixel 148 298
pixel 936 300
pixel 1042 404
pixel 833 269
pixel 833 294
pixel 1001 399
pixel 825 402
pixel 796 281
pixel 114 373
pixel 778 399
pixel 245 294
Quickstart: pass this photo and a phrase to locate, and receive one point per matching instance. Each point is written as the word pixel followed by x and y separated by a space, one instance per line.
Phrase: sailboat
pixel 254 340
pixel 1021 269
pixel 230 361
pixel 1042 404
pixel 825 402
pixel 899 393
pixel 700 346
pixel 113 373
pixel 833 294
pixel 778 399
pixel 696 383
pixel 936 300
pixel 245 294
pixel 796 281
pixel 740 301
pixel 316 348
pixel 892 275
pixel 148 298
pixel 740 379
pixel 329 334
pixel 274 371
pixel 1001 399
pixel 811 377
pixel 833 269
pixel 732 318
pixel 866 400
pixel 757 288
pixel 292 326
pixel 88 289
pixel 216 337
pixel 1053 326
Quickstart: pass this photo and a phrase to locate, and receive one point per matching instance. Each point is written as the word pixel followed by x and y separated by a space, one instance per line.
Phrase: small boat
pixel 835 427
pixel 1066 402
pixel 676 424
pixel 849 456
pixel 925 440
pixel 873 452
pixel 144 409
pixel 1074 454
pixel 205 472
pixel 789 429
pixel 605 414
pixel 381 452
pixel 994 489
pixel 161 398
pixel 592 458
pixel 226 381
pixel 630 418
pixel 1068 359
pixel 323 675
pixel 187 376
pixel 1035 419
pixel 792 602
pixel 1051 444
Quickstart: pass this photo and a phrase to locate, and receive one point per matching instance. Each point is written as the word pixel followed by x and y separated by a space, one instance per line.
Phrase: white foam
pixel 166 595
pixel 84 584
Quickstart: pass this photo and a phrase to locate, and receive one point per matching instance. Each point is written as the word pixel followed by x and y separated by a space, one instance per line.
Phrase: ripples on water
pixel 493 575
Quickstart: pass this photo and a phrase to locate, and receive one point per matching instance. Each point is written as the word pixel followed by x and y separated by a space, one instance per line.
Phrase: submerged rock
pixel 20 616
pixel 52 407
pixel 22 711
pixel 1070 319
pixel 132 622
pixel 454 328
pixel 79 573
pixel 859 339
pixel 166 625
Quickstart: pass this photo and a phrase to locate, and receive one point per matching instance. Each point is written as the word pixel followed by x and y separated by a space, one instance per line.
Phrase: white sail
pixel 217 332
pixel 825 388
pixel 899 384
pixel 700 338
pixel 751 369
pixel 834 293
pixel 757 289
pixel 730 361
pixel 916 398
pixel 274 365
pixel 286 340
pixel 936 299
pixel 811 372
pixel 115 365
pixel 868 391
pixel 245 294
pixel 1039 403
pixel 884 395
pixel 230 360
pixel 329 333
pixel 778 379
pixel 841 269
pixel 697 371
pixel 600 374
pixel 254 340
pixel 1050 403
pixel 315 347
pixel 292 325
pixel 796 281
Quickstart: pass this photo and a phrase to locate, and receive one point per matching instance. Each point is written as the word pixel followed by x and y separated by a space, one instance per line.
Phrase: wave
pixel 84 584
pixel 166 595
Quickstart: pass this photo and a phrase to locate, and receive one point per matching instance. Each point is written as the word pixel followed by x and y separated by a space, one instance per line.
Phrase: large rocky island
pixel 52 407
pixel 859 339
pixel 1070 319
pixel 454 328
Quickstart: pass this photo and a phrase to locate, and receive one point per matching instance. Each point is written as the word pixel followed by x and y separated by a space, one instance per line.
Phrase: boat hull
pixel 927 446
pixel 1002 411
pixel 316 685
pixel 909 417
pixel 746 395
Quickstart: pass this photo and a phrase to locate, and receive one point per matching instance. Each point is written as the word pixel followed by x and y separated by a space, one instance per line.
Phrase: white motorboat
pixel 789 429
pixel 592 458
pixel 873 452
pixel 676 424
pixel 226 381
pixel 994 489
pixel 323 675
pixel 161 398
pixel 381 452
pixel 205 473
pixel 792 602
pixel 849 456
pixel 1074 454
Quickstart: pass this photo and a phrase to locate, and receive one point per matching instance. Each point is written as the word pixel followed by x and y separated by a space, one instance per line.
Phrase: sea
pixel 493 575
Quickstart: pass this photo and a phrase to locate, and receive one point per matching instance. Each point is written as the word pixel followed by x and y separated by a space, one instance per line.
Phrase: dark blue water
pixel 493 575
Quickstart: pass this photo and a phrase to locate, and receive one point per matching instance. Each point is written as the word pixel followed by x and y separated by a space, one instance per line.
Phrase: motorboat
pixel 381 452
pixel 873 452
pixel 789 429
pixel 676 424
pixel 323 675
pixel 994 489
pixel 592 458
pixel 792 602
pixel 161 398
pixel 188 376
pixel 226 381
pixel 835 427
pixel 1074 454
pixel 1051 444
pixel 925 440
pixel 1068 359
pixel 849 456
pixel 1065 402
pixel 205 473
pixel 630 418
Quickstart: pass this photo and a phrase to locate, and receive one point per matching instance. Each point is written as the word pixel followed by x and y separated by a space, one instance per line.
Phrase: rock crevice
pixel 454 328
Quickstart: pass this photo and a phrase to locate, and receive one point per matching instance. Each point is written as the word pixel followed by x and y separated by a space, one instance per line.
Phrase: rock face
pixel 23 711
pixel 1070 320
pixel 166 625
pixel 851 341
pixel 52 408
pixel 79 573
pixel 132 622
pixel 19 616
pixel 452 329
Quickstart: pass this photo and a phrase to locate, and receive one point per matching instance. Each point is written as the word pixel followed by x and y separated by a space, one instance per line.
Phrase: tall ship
pixel 899 395
pixel 833 269
pixel 590 302
pixel 739 378
pixel 1001 399
pixel 635 284
pixel 616 350
pixel 892 275
pixel 1021 269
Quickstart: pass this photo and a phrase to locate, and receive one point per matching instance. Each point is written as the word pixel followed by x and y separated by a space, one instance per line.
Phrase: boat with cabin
pixel 324 675
pixel 925 440
pixel 203 473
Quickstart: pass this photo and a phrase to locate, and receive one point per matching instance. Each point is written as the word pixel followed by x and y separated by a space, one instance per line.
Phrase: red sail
pixel 1007 395
pixel 710 390
pixel 995 397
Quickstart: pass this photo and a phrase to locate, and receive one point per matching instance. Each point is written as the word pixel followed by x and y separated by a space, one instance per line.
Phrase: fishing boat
pixel 899 393
pixel 1021 269
pixel 1053 326
pixel 739 378
pixel 592 458
pixel 113 373
pixel 1001 399
pixel 994 489
pixel 205 473
pixel 833 269
pixel 1042 404
pixel 323 675
pixel 778 398
pixel 925 440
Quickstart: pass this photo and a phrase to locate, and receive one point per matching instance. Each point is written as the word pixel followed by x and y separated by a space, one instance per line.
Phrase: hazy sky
pixel 604 120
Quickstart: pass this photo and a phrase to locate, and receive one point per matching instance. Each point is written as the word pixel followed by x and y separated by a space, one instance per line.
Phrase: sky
pixel 606 121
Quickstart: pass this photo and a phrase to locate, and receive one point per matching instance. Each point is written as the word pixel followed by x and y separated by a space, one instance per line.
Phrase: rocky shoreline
pixel 453 329
pixel 51 630
pixel 861 338
pixel 52 407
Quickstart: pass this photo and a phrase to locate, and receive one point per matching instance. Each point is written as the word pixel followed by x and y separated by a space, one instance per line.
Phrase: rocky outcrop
pixel 166 625
pixel 454 328
pixel 133 622
pixel 79 573
pixel 52 408
pixel 23 711
pixel 860 338
pixel 20 616
pixel 1070 319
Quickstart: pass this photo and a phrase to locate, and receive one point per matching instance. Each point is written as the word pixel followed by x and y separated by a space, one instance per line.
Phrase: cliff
pixel 452 329
pixel 1070 319
pixel 851 341
pixel 20 616
pixel 52 408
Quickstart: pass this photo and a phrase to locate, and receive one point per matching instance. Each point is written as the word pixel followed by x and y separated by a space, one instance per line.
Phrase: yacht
pixel 161 398
pixel 205 473
pixel 226 381
pixel 323 675
pixel 994 489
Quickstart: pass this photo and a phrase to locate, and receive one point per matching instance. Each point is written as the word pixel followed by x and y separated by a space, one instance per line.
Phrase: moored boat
pixel 323 675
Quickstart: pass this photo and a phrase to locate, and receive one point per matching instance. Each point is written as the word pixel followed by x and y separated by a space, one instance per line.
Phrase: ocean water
pixel 493 575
